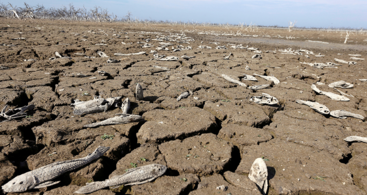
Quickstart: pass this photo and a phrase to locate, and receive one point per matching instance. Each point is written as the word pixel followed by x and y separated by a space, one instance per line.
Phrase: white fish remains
pixel 342 114
pixel 249 78
pixel 183 95
pixel 40 178
pixel 259 174
pixel 320 108
pixel 356 139
pixel 133 176
pixel 341 84
pixel 228 78
pixel 332 96
pixel 265 99
pixel 96 105
pixel 269 78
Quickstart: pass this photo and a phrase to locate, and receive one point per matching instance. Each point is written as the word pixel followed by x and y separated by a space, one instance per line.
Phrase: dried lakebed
pixel 206 128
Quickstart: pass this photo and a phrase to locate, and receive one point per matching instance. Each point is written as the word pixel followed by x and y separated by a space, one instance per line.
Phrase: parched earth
pixel 208 139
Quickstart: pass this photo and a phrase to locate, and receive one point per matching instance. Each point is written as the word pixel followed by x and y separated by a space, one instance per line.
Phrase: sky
pixel 306 13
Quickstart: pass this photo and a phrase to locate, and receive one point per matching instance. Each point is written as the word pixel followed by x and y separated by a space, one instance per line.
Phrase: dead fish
pixel 256 56
pixel 14 113
pixel 258 87
pixel 320 108
pixel 332 96
pixel 228 78
pixel 269 78
pixel 40 178
pixel 139 92
pixel 96 105
pixel 227 57
pixel 249 78
pixel 265 99
pixel 169 58
pixel 356 139
pixel 342 114
pixel 133 176
pixel 125 106
pixel 110 60
pixel 102 54
pixel 183 95
pixel 259 174
pixel 341 84
pixel 187 57
pixel 122 119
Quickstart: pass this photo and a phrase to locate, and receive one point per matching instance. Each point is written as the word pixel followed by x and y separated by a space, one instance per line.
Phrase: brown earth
pixel 208 139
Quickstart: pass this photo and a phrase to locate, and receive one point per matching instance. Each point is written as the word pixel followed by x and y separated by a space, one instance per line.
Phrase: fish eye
pixel 21 182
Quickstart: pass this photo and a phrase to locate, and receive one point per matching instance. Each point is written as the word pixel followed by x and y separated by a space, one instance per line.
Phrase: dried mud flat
pixel 208 139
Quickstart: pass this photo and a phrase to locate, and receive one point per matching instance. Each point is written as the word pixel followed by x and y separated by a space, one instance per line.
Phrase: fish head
pixel 157 169
pixel 20 183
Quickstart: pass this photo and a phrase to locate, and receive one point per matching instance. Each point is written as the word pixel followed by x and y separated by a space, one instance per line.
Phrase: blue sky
pixel 307 13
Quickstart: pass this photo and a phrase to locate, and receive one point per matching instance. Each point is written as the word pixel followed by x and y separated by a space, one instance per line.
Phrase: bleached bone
pixel 249 78
pixel 256 56
pixel 320 108
pixel 169 58
pixel 227 57
pixel 341 84
pixel 259 174
pixel 139 92
pixel 110 60
pixel 122 119
pixel 14 113
pixel 228 78
pixel 187 57
pixel 269 78
pixel 363 80
pixel 342 114
pixel 265 99
pixel 356 139
pixel 183 95
pixel 102 54
pixel 258 87
pixel 355 58
pixel 332 96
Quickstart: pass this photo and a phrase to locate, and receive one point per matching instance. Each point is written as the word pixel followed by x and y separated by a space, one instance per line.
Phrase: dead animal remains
pixel 96 105
pixel 14 113
pixel 133 176
pixel 41 177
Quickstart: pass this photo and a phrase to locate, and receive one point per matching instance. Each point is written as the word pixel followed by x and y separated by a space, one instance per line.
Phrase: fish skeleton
pixel 133 176
pixel 40 178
